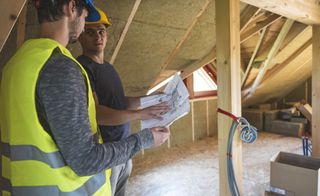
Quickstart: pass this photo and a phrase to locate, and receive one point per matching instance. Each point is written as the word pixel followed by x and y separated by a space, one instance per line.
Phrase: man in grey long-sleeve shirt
pixel 47 119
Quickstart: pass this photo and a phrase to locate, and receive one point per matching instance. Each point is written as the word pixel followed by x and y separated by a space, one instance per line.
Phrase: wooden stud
pixel 229 95
pixel 315 90
pixel 192 121
pixel 125 31
pixel 208 123
pixel 306 91
pixel 305 11
pixel 285 29
pixel 10 13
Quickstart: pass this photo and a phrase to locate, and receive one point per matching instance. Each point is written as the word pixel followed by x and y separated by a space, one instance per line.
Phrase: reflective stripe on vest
pixel 88 188
pixel 24 152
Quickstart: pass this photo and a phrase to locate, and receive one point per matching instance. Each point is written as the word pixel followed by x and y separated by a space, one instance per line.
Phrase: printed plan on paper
pixel 177 96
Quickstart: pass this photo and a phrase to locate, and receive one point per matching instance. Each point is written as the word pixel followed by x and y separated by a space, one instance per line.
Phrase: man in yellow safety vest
pixel 49 139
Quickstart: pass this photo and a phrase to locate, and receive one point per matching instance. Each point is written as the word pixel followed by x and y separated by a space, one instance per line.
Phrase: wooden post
pixel 229 95
pixel 316 91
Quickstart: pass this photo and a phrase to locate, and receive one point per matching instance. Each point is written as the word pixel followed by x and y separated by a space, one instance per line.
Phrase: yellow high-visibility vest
pixel 31 161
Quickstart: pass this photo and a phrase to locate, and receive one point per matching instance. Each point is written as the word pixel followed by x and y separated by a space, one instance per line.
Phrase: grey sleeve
pixel 62 92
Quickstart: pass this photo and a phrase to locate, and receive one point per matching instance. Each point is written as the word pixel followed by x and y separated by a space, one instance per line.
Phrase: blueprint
pixel 177 97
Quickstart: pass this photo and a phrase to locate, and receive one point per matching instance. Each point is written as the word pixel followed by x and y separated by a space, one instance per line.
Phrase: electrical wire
pixel 248 134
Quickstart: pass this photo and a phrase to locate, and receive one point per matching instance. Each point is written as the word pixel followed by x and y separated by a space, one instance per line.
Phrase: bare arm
pixel 133 102
pixel 109 116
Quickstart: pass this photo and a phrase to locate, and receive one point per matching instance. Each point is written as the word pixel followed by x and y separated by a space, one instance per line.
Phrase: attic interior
pixel 261 55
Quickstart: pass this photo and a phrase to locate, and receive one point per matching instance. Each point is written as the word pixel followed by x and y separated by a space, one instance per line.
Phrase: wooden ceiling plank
pixel 305 11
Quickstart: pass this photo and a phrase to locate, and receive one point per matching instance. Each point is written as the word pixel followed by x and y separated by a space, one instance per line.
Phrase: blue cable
pixel 306 146
pixel 248 134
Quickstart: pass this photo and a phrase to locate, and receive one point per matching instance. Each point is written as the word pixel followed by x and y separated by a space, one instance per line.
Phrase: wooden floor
pixel 192 169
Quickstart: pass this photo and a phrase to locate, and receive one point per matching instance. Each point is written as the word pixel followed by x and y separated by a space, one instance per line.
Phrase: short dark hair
pixel 52 10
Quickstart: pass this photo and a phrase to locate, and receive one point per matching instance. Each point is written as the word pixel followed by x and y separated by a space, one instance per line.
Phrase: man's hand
pixel 154 112
pixel 160 135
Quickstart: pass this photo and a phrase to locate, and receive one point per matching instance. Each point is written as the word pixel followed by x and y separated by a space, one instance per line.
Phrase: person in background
pixel 49 140
pixel 114 109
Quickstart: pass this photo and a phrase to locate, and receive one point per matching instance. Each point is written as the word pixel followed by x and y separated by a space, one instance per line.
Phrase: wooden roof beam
pixel 125 31
pixel 305 11
pixel 211 56
pixel 246 16
pixel 175 51
pixel 246 34
pixel 200 63
pixel 284 31
pixel 10 13
pixel 279 67
pixel 253 56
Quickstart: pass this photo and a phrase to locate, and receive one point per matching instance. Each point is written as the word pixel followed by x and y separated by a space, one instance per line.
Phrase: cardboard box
pixel 297 175
pixel 269 116
pixel 306 110
pixel 286 128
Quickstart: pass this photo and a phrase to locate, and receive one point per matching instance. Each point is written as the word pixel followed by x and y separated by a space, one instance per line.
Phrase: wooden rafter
pixel 21 27
pixel 125 31
pixel 246 16
pixel 185 36
pixel 279 67
pixel 177 48
pixel 253 56
pixel 10 13
pixel 210 57
pixel 305 11
pixel 246 34
pixel 196 65
pixel 285 29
